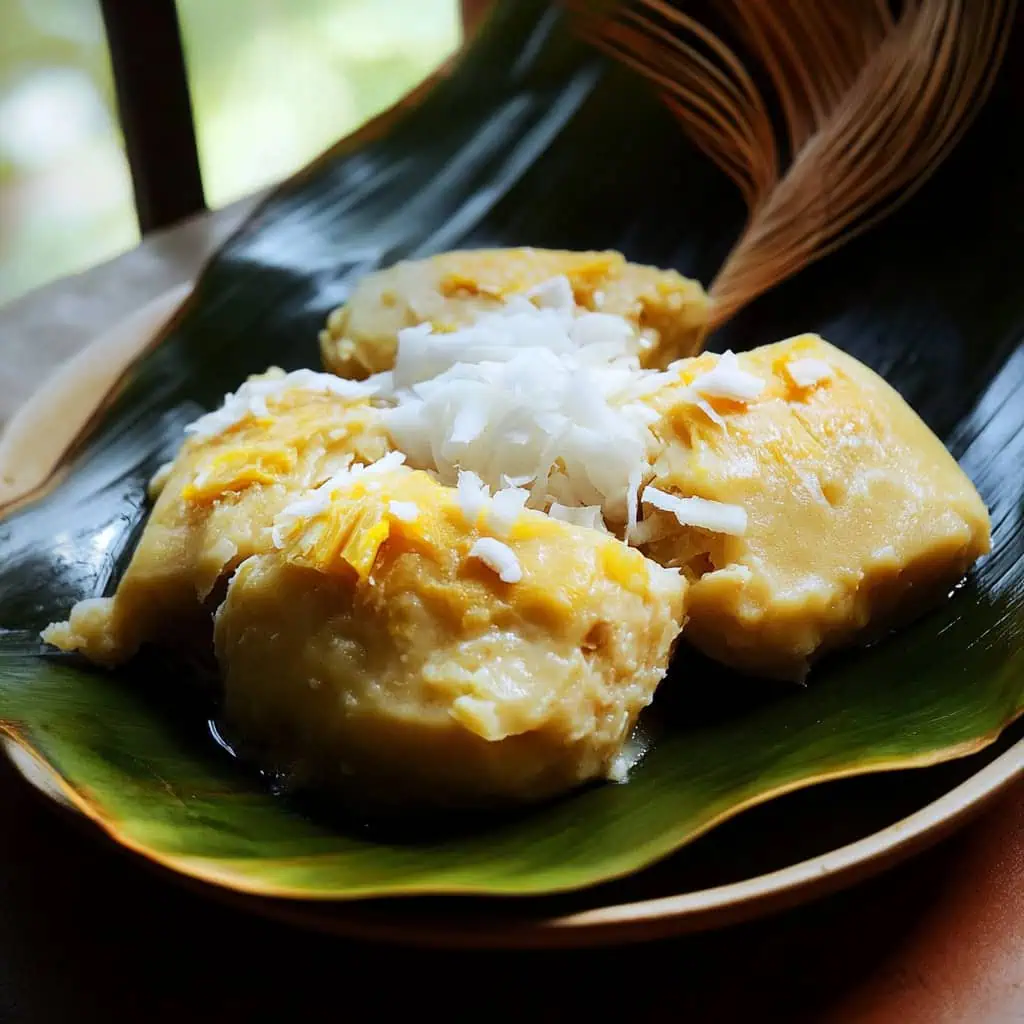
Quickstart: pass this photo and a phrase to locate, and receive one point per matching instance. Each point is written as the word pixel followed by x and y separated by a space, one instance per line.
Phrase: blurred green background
pixel 273 83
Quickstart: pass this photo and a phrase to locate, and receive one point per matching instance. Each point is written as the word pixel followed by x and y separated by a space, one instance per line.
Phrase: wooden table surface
pixel 89 935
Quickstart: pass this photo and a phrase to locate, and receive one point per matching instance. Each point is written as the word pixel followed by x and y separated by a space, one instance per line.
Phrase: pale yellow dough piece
pixel 374 655
pixel 452 289
pixel 857 513
pixel 215 507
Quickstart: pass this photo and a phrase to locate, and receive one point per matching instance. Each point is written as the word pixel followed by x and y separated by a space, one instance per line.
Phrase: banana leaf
pixel 534 139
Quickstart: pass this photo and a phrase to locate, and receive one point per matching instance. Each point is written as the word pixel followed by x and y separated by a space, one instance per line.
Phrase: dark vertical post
pixel 156 112
pixel 473 12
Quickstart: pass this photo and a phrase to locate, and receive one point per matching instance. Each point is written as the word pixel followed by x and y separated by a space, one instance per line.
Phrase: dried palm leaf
pixel 827 114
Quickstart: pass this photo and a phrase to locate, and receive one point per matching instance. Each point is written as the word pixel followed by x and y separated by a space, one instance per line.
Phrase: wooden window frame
pixel 155 107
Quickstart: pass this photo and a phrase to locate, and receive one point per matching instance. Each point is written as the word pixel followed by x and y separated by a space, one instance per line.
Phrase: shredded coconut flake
pixel 251 398
pixel 806 373
pixel 516 481
pixel 708 410
pixel 474 495
pixel 632 501
pixel 715 516
pixel 555 293
pixel 649 530
pixel 404 511
pixel 505 508
pixel 727 380
pixel 499 557
pixel 584 515
pixel 469 425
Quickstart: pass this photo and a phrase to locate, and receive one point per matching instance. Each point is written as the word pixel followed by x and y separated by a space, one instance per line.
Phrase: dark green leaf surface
pixel 535 141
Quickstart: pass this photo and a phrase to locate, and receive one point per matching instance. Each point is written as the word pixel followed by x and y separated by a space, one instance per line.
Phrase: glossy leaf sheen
pixel 536 141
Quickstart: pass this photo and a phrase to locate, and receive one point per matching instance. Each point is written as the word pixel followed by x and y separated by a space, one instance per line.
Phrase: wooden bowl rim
pixel 488 923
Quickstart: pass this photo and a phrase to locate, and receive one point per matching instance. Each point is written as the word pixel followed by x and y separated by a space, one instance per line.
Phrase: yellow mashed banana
pixel 215 506
pixel 855 511
pixel 448 291
pixel 377 653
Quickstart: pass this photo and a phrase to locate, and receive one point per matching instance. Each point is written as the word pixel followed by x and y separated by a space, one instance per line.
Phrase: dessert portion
pixel 667 311
pixel 851 514
pixel 215 504
pixel 416 643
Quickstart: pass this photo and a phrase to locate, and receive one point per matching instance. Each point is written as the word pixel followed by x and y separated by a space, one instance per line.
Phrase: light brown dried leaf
pixel 872 97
